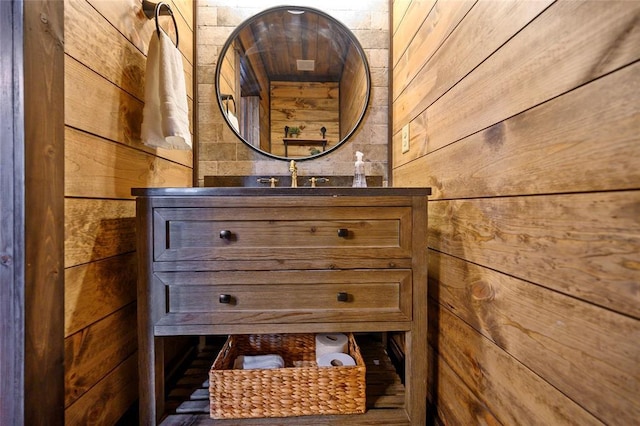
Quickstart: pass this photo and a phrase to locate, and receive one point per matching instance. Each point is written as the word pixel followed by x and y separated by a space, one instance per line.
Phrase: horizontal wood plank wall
pixel 106 44
pixel 525 120
pixel 309 104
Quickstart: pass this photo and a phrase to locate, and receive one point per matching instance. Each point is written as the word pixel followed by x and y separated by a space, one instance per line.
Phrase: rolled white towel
pixel 248 362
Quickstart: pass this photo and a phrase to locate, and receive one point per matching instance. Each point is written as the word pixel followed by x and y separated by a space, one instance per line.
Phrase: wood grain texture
pixel 97 228
pixel 122 63
pixel 453 400
pixel 129 19
pixel 92 353
pixel 105 402
pixel 441 21
pixel 44 209
pixel 567 337
pixel 583 245
pixel 312 105
pixel 574 39
pixel 96 289
pixel 487 27
pixel 585 140
pixel 353 92
pixel 109 170
pixel 12 216
pixel 525 123
pixel 97 106
pixel 104 94
pixel 408 16
pixel 399 10
pixel 184 302
pixel 512 392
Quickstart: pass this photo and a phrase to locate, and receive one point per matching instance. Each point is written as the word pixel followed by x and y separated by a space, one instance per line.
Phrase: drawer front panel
pixel 363 295
pixel 281 233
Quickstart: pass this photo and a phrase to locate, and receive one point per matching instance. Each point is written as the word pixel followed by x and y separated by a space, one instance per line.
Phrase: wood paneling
pixel 548 149
pixel 105 67
pixel 98 168
pixel 487 26
pixel 44 209
pixel 308 104
pixel 353 92
pixel 108 399
pixel 577 38
pixel 408 16
pixel 524 120
pixel 455 402
pixel 129 19
pixel 96 289
pixel 554 345
pixel 93 352
pixel 107 111
pixel 122 63
pixel 97 229
pixel 512 393
pixel 440 22
pixel 12 216
pixel 562 242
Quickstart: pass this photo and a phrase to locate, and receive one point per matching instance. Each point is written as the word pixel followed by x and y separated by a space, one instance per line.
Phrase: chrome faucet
pixel 293 168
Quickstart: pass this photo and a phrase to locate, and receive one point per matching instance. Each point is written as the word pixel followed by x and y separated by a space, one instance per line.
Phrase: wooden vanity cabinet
pixel 219 261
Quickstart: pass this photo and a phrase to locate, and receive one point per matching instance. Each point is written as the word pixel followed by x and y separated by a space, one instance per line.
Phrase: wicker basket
pixel 300 389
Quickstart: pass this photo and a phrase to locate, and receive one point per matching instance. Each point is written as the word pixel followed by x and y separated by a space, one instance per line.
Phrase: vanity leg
pixel 150 304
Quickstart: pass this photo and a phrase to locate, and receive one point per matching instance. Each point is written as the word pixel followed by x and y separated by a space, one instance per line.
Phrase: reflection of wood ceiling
pixel 273 43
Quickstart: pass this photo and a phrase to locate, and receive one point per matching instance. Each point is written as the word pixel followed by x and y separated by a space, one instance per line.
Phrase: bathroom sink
pixel 284 181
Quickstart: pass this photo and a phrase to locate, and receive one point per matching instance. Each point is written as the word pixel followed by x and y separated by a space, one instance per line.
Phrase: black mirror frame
pixel 359 50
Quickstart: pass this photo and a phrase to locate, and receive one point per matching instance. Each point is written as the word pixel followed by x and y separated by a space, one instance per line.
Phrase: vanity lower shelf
pixel 188 401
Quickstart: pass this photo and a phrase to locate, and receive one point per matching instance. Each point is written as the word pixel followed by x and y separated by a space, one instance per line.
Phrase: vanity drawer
pixel 307 296
pixel 281 233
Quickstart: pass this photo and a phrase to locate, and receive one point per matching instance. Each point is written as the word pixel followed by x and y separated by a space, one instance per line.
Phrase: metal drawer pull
pixel 226 234
pixel 224 298
pixel 343 297
pixel 343 232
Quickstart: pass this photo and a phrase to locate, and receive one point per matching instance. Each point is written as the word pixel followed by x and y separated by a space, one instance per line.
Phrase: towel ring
pixel 155 10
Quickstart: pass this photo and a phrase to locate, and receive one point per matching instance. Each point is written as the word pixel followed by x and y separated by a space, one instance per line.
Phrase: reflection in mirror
pixel 293 82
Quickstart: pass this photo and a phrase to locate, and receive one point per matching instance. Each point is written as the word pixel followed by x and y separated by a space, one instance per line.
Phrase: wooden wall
pixel 525 121
pixel 353 89
pixel 105 56
pixel 309 104
pixel 43 209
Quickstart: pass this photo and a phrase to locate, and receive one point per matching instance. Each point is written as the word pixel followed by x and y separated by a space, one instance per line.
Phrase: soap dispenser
pixel 359 178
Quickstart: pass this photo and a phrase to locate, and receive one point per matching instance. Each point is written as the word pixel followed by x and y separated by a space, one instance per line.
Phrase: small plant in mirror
pixel 314 151
pixel 295 131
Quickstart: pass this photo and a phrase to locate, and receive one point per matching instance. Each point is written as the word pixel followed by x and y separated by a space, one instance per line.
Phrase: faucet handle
pixel 271 181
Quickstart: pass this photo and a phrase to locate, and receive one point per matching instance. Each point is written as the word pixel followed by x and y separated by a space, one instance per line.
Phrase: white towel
pixel 234 121
pixel 165 117
pixel 250 362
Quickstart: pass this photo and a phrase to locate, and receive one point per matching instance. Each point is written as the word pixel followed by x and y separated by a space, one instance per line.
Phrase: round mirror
pixel 293 83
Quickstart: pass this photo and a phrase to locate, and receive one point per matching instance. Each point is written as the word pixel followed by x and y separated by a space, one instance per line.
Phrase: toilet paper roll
pixel 331 342
pixel 335 359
